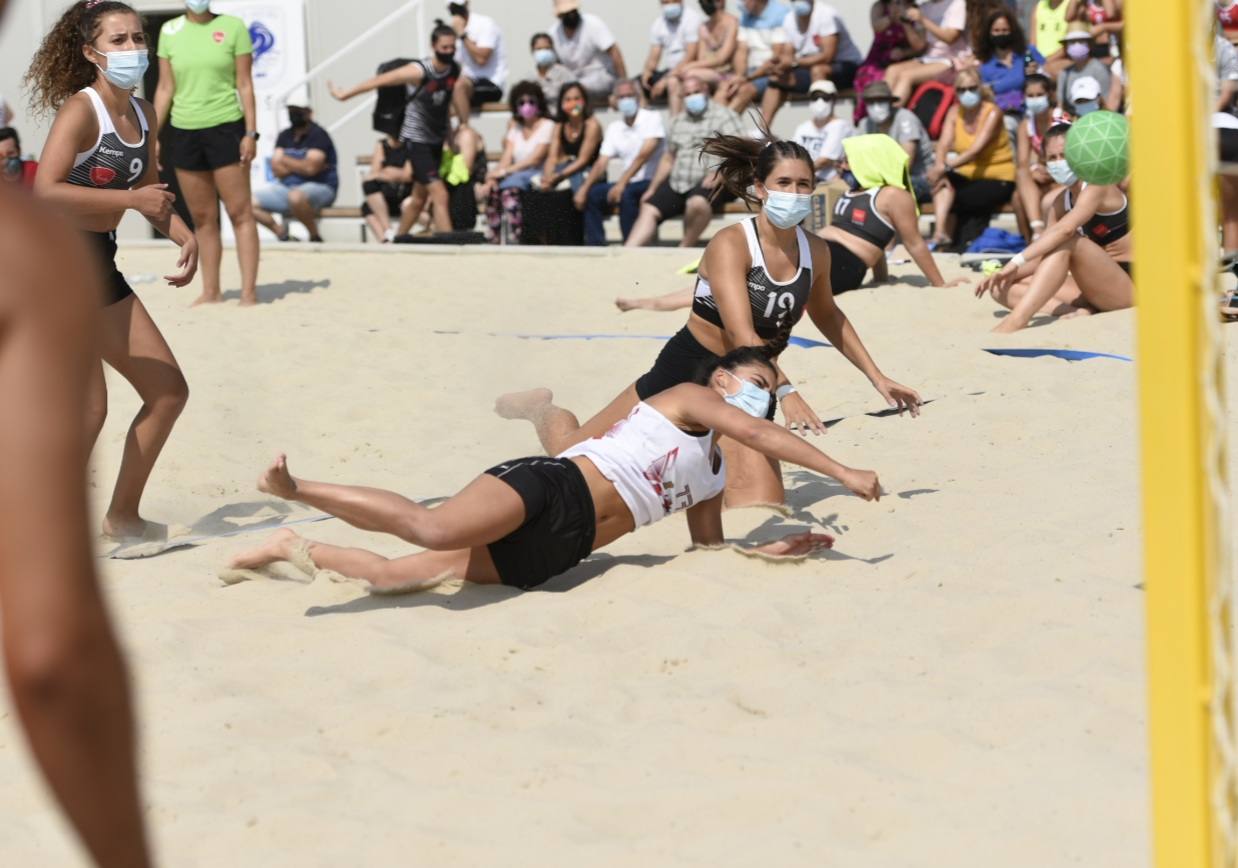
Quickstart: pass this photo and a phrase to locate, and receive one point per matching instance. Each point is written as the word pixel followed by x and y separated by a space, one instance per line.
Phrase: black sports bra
pixel 773 303
pixel 857 214
pixel 1105 228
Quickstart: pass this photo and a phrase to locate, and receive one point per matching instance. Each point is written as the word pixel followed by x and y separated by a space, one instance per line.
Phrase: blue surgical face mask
pixel 803 8
pixel 969 98
pixel 125 68
pixel 197 6
pixel 1060 171
pixel 672 11
pixel 785 210
pixel 544 57
pixel 1083 108
pixel 695 103
pixel 750 398
pixel 13 166
pixel 629 106
pixel 1037 105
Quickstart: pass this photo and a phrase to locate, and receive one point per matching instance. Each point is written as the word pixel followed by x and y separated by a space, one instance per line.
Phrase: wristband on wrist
pixel 1018 260
pixel 782 391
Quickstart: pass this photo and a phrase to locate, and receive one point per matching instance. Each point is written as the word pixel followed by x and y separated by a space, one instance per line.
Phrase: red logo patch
pixel 1101 229
pixel 101 176
pixel 859 215
pixel 218 36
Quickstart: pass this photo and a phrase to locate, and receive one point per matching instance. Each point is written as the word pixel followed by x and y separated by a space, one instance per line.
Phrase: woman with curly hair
pixel 525 146
pixel 97 164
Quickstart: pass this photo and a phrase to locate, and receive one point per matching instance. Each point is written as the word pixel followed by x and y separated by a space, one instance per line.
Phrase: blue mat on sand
pixel 795 342
pixel 1068 355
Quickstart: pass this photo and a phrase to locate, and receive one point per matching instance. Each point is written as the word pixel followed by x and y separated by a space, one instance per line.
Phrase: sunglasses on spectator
pixel 527 101
pixel 821 97
pixel 972 89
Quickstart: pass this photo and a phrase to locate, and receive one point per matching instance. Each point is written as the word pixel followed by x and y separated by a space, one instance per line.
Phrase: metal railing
pixel 280 102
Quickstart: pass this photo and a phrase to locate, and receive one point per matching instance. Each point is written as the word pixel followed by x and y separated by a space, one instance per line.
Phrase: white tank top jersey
pixel 656 468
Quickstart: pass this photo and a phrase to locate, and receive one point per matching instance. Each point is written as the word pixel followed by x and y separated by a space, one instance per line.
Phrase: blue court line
pixel 796 342
pixel 1068 355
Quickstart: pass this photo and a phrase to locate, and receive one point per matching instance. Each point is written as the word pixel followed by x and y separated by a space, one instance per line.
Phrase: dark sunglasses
pixel 822 97
pixel 973 89
pixel 526 101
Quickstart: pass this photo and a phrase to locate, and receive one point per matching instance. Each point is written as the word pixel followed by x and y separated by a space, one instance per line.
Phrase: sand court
pixel 959 682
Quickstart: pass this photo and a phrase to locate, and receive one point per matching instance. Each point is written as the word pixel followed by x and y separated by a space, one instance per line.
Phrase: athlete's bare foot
pixel 132 527
pixel 277 480
pixel 249 299
pixel 523 405
pixel 276 547
pixel 207 298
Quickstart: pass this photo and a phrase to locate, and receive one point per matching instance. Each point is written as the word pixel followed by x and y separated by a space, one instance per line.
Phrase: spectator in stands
pixel 306 178
pixel 1078 47
pixel 1227 72
pixel 586 47
pixel 481 55
pixel 818 47
pixel 1227 17
pixel 1104 19
pixel 525 146
pixel 757 56
pixel 12 167
pixel 1048 28
pixel 881 116
pixel 206 93
pixel 635 141
pixel 575 142
pixel 683 184
pixel 1005 58
pixel 974 173
pixel 718 43
pixel 431 96
pixel 1032 175
pixel 944 24
pixel 551 74
pixel 675 40
pixel 894 39
pixel 1084 96
pixel 6 112
pixel 823 135
pixel 387 185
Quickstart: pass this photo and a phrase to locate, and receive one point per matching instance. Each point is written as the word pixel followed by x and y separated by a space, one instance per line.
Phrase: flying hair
pixel 59 69
pixel 745 160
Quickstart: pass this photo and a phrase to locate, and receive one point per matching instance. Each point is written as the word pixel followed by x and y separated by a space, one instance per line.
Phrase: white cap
pixel 824 86
pixel 1084 88
pixel 1077 34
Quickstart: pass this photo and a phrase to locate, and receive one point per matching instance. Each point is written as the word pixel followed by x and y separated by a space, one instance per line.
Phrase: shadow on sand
pixel 272 292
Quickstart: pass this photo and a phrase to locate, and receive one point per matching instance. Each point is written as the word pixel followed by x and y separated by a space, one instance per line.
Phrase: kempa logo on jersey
pixel 110 151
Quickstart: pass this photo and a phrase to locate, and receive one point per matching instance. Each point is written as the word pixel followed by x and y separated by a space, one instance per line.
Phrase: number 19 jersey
pixel 113 163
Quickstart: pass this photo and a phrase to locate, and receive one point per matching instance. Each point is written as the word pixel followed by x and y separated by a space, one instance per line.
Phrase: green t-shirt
pixel 203 58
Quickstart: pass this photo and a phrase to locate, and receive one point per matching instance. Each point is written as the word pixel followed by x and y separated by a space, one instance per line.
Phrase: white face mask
pixel 1060 171
pixel 822 108
pixel 878 112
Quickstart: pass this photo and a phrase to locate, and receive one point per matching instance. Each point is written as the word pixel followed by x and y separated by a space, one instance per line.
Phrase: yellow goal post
pixel 1190 599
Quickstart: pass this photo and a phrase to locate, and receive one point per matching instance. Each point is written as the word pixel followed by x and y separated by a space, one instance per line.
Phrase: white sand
pixel 960 683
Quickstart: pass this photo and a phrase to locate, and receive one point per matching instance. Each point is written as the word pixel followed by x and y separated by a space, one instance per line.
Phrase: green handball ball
pixel 1098 147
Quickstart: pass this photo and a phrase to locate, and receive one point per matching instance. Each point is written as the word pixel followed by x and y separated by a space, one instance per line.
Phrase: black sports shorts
pixel 846 269
pixel 559 522
pixel 426 160
pixel 115 287
pixel 206 150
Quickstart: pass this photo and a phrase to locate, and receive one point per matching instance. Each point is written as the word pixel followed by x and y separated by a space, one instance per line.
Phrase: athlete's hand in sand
pixel 899 396
pixel 277 480
pixel 862 483
pixel 997 281
pixel 799 416
pixel 153 201
pixel 797 545
pixel 187 265
pixel 958 281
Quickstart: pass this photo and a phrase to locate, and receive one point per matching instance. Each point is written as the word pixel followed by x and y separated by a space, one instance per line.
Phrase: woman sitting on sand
pixel 527 520
pixel 756 278
pixel 1082 262
pixel 879 207
pixel 97 164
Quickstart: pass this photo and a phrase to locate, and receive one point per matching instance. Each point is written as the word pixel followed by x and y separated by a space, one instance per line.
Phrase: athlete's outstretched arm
pixel 705 527
pixel 64 666
pixel 834 324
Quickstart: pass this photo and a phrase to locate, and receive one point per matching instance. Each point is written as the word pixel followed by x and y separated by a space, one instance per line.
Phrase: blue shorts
pixel 274 197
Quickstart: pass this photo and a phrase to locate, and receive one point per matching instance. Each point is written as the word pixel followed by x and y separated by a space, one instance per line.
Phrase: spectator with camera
pixel 943 24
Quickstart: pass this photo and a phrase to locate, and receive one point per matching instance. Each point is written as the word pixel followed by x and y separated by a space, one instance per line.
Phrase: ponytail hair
pixel 763 354
pixel 441 29
pixel 745 160
pixel 59 69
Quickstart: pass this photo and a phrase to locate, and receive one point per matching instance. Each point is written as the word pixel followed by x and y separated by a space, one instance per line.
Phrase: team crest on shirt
pixel 658 474
pixel 101 176
pixel 219 37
